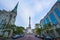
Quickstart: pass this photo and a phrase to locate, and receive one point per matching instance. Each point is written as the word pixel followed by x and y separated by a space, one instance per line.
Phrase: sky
pixel 36 9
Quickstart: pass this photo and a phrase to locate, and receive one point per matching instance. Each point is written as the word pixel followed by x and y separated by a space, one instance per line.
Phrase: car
pixel 18 36
pixel 49 37
pixel 35 35
pixel 38 36
pixel 42 37
pixel 22 35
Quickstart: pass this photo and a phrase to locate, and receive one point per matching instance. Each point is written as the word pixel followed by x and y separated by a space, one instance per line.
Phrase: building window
pixel 47 20
pixel 43 22
pixel 53 19
pixel 57 12
pixel 41 25
pixel 58 0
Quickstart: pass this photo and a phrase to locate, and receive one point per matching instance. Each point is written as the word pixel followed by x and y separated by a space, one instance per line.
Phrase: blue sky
pixel 37 9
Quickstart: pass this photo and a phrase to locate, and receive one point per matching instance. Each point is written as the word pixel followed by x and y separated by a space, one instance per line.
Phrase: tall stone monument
pixel 28 29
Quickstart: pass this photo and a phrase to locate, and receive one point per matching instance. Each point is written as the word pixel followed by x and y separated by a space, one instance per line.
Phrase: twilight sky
pixel 36 9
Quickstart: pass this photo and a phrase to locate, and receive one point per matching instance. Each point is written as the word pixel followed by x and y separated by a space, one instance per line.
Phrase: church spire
pixel 15 9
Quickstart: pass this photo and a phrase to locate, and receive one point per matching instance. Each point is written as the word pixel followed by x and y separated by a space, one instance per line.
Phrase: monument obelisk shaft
pixel 29 22
pixel 29 30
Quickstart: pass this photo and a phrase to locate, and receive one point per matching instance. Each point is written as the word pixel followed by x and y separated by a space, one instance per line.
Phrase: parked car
pixel 17 36
pixel 38 36
pixel 35 35
pixel 49 37
pixel 42 37
pixel 45 37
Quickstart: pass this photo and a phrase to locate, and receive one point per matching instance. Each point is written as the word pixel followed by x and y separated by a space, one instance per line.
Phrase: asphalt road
pixel 28 37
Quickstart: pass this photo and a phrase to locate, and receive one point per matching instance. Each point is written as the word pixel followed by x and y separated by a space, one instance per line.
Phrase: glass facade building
pixel 44 22
pixel 57 12
pixel 58 0
pixel 53 19
pixel 47 20
pixel 41 24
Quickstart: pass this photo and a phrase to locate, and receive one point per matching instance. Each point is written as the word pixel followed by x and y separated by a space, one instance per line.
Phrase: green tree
pixel 47 27
pixel 37 25
pixel 38 30
pixel 10 26
pixel 19 30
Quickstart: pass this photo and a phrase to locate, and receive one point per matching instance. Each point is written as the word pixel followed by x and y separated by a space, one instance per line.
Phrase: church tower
pixel 15 8
pixel 13 14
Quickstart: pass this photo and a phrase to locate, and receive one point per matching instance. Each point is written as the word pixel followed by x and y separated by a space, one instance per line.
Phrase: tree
pixel 37 25
pixel 47 27
pixel 19 30
pixel 38 31
pixel 10 26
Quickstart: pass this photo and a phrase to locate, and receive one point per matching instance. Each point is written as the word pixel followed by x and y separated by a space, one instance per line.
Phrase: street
pixel 28 37
pixel 29 19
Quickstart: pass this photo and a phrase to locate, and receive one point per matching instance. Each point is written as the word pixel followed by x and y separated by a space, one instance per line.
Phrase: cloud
pixel 37 9
pixel 8 4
